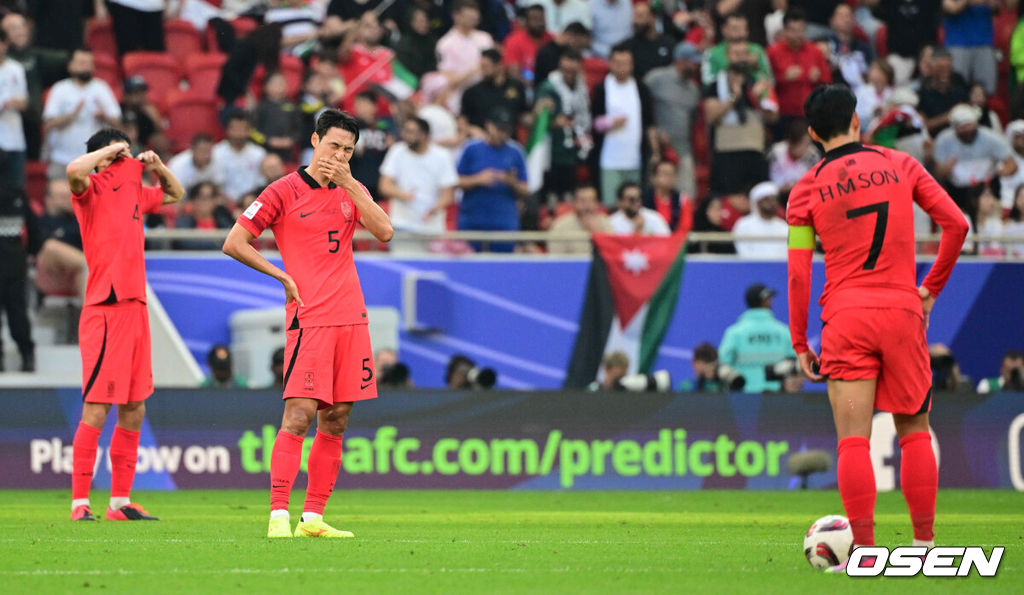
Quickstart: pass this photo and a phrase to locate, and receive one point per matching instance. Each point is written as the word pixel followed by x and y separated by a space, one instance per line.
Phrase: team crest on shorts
pixel 309 380
pixel 346 210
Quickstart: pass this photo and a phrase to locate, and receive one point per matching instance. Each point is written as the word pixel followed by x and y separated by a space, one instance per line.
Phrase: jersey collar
pixel 308 179
pixel 847 149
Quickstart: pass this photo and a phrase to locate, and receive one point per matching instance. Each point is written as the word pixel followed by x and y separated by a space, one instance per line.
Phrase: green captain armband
pixel 801 237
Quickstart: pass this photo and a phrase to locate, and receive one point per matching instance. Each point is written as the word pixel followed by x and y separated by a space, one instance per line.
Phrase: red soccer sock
pixel 83 457
pixel 919 479
pixel 284 466
pixel 324 464
pixel 124 452
pixel 857 487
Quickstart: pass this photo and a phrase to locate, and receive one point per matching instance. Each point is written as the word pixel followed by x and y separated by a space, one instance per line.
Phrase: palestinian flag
pixel 538 151
pixel 402 83
pixel 631 297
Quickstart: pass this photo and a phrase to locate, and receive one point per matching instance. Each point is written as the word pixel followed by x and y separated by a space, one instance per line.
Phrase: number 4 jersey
pixel 313 228
pixel 859 200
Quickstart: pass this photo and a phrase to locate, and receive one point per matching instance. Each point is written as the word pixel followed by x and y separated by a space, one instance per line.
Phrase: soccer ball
pixel 828 542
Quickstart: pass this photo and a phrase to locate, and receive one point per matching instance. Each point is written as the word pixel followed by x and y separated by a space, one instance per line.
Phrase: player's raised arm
pixel 79 169
pixel 173 190
pixel 238 245
pixel 371 215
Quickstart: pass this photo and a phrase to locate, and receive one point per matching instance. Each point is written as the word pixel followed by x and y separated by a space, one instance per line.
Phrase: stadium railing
pixel 486 238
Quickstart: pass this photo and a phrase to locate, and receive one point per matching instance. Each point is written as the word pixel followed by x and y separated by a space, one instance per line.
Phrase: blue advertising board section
pixel 521 316
pixel 512 440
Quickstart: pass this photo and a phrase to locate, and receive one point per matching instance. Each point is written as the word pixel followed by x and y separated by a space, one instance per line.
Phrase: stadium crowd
pixel 621 116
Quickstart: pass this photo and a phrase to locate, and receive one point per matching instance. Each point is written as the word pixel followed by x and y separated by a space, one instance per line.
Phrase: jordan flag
pixel 631 297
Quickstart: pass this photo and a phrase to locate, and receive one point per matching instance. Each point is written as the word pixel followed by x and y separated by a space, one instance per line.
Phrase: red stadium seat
pixel 189 114
pixel 292 69
pixel 203 72
pixel 594 70
pixel 108 70
pixel 181 38
pixel 99 37
pixel 161 71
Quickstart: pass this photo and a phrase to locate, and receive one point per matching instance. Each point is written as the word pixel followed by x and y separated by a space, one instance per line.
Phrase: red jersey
pixel 859 201
pixel 110 214
pixel 792 93
pixel 521 49
pixel 313 228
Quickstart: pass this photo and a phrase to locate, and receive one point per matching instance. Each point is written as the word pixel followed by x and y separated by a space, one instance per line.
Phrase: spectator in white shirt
pixel 613 23
pixel 1008 185
pixel 239 157
pixel 559 13
pixel 196 164
pixel 633 218
pixel 76 108
pixel 789 159
pixel 764 221
pixel 419 178
pixel 13 101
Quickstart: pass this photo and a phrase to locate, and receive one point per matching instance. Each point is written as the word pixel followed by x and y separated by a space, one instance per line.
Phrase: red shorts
pixel 884 343
pixel 117 357
pixel 332 364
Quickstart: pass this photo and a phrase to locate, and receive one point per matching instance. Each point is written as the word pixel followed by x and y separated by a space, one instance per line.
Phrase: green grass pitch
pixel 481 542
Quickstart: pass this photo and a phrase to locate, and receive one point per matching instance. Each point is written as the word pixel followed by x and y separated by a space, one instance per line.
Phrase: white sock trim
pixel 75 503
pixel 927 544
pixel 118 503
pixel 279 513
pixel 311 516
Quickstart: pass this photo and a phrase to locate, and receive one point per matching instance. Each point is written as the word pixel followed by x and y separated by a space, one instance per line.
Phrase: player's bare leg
pixel 124 452
pixel 83 455
pixel 324 464
pixel 919 474
pixel 286 459
pixel 852 409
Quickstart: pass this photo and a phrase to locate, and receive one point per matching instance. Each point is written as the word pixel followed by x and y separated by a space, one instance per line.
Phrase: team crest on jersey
pixel 309 380
pixel 346 210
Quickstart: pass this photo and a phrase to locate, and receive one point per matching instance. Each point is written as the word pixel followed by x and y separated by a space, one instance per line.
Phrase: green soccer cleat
pixel 279 527
pixel 318 528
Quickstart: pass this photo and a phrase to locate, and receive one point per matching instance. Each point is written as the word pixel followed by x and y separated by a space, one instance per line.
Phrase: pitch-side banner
pixel 488 440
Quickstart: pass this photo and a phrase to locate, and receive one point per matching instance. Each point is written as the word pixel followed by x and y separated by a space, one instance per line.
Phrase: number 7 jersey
pixel 859 200
pixel 313 227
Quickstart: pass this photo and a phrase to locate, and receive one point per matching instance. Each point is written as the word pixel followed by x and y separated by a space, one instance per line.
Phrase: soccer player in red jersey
pixel 859 202
pixel 328 359
pixel 113 331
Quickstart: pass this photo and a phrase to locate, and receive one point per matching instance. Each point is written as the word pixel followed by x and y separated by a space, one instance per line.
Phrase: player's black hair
pixel 420 123
pixel 333 118
pixel 492 54
pixel 625 186
pixel 829 110
pixel 705 352
pixel 794 14
pixel 104 137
